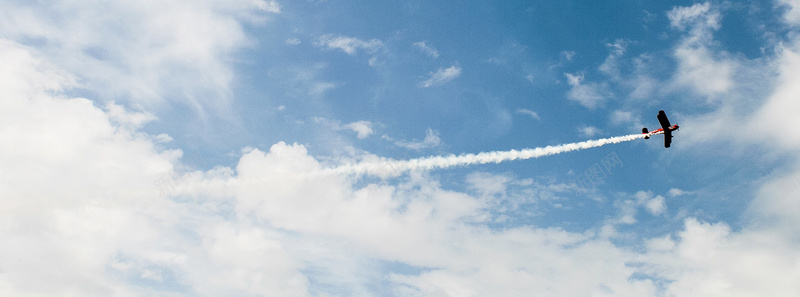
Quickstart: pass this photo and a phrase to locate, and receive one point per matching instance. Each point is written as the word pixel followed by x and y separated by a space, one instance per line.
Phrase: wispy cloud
pixel 427 49
pixel 700 68
pixel 431 140
pixel 611 65
pixel 268 5
pixel 349 45
pixel 619 116
pixel 363 129
pixel 158 57
pixel 589 131
pixel 590 95
pixel 568 55
pixel 442 76
pixel 528 112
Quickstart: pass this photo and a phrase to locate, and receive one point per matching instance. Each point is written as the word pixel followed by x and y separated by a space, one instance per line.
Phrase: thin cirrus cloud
pixel 363 129
pixel 349 45
pixel 427 49
pixel 529 113
pixel 442 76
pixel 431 140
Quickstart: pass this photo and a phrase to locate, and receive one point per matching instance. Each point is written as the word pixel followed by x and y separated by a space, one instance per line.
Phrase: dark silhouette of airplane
pixel 665 129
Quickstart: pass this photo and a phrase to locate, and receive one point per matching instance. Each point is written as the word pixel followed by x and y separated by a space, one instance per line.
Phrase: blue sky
pixel 186 148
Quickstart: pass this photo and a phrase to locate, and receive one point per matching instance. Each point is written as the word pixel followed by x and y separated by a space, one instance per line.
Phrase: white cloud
pixel 129 120
pixel 363 129
pixel 628 208
pixel 268 6
pixel 654 204
pixel 699 16
pixel 80 191
pixel 187 41
pixel 711 260
pixel 777 202
pixel 792 15
pixel 487 184
pixel 619 116
pixel 431 140
pixel 589 131
pixel 699 69
pixel 317 88
pixel 442 76
pixel 528 112
pixel 163 138
pixel 568 55
pixel 779 112
pixel 274 226
pixel 707 72
pixel 675 192
pixel 303 82
pixel 611 65
pixel 591 95
pixel 292 41
pixel 427 49
pixel 349 45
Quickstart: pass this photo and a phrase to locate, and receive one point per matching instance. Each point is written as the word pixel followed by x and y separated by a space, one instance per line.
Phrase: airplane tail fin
pixel 644 131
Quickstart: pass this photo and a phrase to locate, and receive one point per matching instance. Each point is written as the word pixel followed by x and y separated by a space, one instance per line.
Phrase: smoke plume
pixel 389 167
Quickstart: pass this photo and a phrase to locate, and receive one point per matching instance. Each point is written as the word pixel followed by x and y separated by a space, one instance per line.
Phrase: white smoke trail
pixel 389 167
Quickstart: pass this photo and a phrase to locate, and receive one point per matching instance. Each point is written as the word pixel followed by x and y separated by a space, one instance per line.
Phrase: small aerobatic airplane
pixel 666 129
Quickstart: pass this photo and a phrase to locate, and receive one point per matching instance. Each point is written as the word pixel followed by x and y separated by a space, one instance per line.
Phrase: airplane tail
pixel 644 131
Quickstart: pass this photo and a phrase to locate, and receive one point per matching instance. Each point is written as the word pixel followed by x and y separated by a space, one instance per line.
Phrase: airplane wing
pixel 662 119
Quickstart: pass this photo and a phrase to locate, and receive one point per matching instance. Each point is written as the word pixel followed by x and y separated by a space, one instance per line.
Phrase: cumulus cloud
pixel 442 76
pixel 117 215
pixel 711 260
pixel 67 156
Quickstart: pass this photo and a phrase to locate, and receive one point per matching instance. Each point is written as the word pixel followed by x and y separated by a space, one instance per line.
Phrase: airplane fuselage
pixel 660 131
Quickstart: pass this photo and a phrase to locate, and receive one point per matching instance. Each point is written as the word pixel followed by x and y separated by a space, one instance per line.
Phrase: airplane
pixel 665 129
